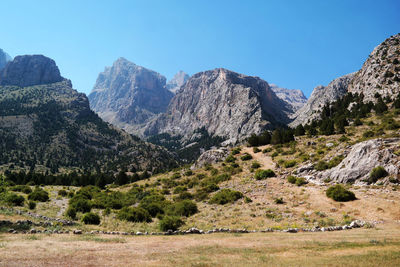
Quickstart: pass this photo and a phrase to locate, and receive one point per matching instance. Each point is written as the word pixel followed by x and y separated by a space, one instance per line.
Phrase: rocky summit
pixel 4 58
pixel 177 81
pixel 295 98
pixel 128 95
pixel 320 96
pixel 224 103
pixel 380 72
pixel 30 70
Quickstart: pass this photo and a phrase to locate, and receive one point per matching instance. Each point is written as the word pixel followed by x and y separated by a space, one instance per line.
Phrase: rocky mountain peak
pixel 30 70
pixel 177 81
pixel 380 72
pixel 294 97
pixel 223 102
pixel 4 58
pixel 127 94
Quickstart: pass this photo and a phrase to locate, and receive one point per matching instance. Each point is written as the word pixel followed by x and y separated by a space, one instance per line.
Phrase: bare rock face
pixel 211 156
pixel 128 95
pixel 319 97
pixel 177 81
pixel 295 98
pixel 380 72
pixel 4 58
pixel 362 158
pixel 225 103
pixel 30 70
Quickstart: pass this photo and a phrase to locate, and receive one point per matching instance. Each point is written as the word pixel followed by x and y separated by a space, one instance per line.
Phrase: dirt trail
pixel 264 160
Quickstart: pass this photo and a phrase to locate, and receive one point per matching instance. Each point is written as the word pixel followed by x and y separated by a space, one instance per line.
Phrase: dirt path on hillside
pixel 264 160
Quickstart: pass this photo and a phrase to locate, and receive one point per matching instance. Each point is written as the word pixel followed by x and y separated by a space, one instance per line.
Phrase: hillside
pixel 48 126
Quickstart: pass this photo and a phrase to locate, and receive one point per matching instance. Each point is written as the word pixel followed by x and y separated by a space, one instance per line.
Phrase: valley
pixel 214 169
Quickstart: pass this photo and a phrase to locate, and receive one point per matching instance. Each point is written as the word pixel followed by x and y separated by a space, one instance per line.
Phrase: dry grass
pixel 361 247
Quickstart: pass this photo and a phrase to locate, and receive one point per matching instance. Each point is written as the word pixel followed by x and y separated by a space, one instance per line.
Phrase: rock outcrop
pixel 128 95
pixel 380 72
pixel 30 70
pixel 177 81
pixel 363 157
pixel 4 58
pixel 225 103
pixel 295 98
pixel 319 97
pixel 211 156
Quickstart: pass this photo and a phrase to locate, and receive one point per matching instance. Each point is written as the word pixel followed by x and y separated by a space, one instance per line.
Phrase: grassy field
pixel 359 247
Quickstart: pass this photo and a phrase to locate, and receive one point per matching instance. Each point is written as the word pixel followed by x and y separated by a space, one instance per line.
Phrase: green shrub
pixel 188 173
pixel 255 165
pixel 263 174
pixel 71 212
pixel 183 196
pixel 368 134
pixel 247 200
pixel 226 196
pixel 13 199
pixel 339 193
pixel 134 214
pixel 183 208
pixel 79 203
pixel 376 174
pixel 179 189
pixel 291 179
pixel 62 193
pixel 289 163
pixel 170 223
pixel 31 205
pixel 256 150
pixel 266 150
pixel 22 188
pixel 301 181
pixel 91 218
pixel 236 150
pixel 39 195
pixel 321 165
pixel 279 200
pixel 230 158
pixel 246 156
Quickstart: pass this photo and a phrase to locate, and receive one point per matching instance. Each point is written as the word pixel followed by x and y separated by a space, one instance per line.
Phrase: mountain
pixel 49 126
pixel 30 70
pixel 177 81
pixel 319 97
pixel 380 72
pixel 4 58
pixel 225 104
pixel 295 98
pixel 128 95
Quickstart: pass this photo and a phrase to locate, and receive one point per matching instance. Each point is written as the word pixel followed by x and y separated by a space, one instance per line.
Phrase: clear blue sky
pixel 295 44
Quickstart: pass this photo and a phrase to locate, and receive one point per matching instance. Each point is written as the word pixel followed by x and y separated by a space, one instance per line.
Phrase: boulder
pixel 210 157
pixel 363 157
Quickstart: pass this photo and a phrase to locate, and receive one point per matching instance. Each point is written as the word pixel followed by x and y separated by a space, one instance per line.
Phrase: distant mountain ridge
pixel 128 95
pixel 294 97
pixel 177 81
